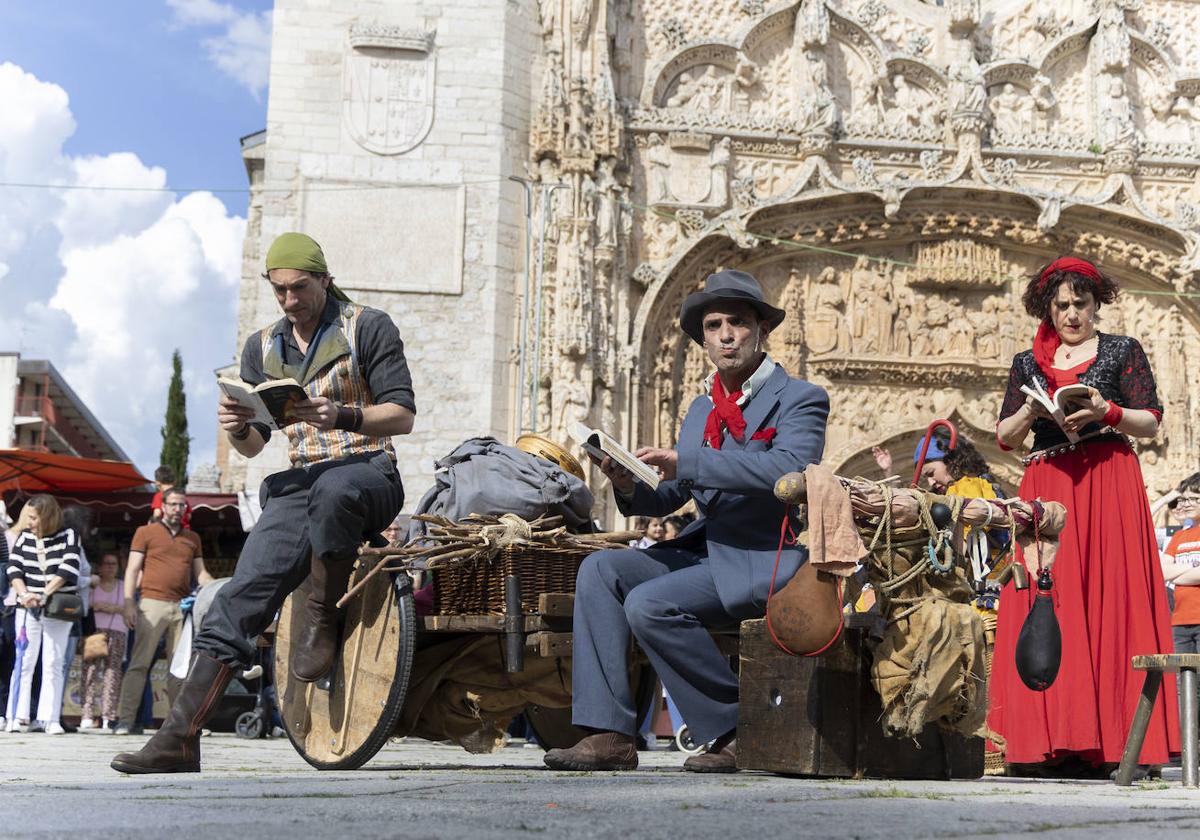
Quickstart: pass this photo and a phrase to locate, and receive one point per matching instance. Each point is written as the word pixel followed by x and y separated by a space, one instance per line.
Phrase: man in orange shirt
pixel 1181 566
pixel 165 555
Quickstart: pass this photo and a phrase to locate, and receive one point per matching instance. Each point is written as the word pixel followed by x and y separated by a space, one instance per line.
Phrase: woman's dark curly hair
pixel 1038 295
pixel 964 459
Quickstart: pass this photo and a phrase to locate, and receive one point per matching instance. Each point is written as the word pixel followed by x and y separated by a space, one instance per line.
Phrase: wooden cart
pixel 341 722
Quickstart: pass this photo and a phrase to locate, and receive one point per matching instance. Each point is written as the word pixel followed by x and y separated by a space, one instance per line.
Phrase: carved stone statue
pixel 1118 126
pixel 579 139
pixel 812 24
pixel 1041 93
pixel 1006 108
pixel 968 92
pixel 698 92
pixel 826 322
pixel 718 162
pixel 906 104
pixel 1112 42
pixel 816 107
pixel 745 78
pixel 607 206
pixel 658 156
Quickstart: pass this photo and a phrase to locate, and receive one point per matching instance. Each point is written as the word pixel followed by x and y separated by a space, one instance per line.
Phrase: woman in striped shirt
pixel 43 560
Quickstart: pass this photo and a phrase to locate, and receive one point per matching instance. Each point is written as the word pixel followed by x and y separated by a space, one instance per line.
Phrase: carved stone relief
pixel 985 136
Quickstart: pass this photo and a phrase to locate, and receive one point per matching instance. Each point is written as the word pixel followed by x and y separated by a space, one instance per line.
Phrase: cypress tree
pixel 175 440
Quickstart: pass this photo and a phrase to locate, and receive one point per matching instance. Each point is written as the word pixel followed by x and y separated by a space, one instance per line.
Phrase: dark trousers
pixel 325 510
pixel 1187 638
pixel 8 652
pixel 665 598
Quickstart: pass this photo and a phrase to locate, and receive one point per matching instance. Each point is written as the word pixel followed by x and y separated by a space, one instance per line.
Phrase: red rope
pixel 786 536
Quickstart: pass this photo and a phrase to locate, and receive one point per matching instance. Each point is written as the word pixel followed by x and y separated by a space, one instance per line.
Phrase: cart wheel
pixel 553 728
pixel 683 740
pixel 249 725
pixel 340 722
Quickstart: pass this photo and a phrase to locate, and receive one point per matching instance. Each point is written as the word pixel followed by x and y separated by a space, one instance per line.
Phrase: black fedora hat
pixel 724 286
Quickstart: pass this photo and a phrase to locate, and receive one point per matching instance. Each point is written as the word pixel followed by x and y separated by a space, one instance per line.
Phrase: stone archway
pixel 919 315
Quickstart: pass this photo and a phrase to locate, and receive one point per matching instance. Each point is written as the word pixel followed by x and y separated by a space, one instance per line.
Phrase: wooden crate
pixel 819 716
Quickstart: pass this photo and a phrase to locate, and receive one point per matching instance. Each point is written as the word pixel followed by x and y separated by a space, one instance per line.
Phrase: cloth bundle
pixel 484 476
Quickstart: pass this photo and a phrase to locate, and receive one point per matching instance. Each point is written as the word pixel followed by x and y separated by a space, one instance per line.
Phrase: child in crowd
pixel 1181 567
pixel 164 480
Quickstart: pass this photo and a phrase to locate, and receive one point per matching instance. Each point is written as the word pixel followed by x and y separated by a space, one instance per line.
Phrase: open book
pixel 272 402
pixel 1066 400
pixel 598 444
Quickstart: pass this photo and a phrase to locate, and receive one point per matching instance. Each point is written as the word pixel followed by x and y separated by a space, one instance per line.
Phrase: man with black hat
pixel 754 424
pixel 342 487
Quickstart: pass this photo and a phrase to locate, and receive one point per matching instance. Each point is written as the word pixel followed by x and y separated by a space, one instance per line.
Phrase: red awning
pixel 42 472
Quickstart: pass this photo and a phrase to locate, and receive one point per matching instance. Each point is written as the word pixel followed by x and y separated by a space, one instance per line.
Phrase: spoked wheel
pixel 554 730
pixel 685 743
pixel 250 725
pixel 341 722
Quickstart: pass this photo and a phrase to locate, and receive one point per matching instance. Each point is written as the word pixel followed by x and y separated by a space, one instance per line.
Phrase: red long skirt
pixel 1111 605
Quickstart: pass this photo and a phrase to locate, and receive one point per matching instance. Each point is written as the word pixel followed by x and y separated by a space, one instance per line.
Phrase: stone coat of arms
pixel 388 87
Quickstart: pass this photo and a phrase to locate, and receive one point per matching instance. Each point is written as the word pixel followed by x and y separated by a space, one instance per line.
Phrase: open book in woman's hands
pixel 272 402
pixel 1066 400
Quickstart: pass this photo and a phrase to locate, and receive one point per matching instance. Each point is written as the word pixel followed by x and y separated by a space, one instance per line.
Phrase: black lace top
pixel 1120 372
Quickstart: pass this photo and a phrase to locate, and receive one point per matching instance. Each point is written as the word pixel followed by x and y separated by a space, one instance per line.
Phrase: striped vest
pixel 332 372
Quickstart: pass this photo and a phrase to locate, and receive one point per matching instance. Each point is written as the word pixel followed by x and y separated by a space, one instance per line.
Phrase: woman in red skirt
pixel 1110 599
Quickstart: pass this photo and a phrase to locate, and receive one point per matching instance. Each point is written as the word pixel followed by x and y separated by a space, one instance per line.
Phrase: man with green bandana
pixel 342 486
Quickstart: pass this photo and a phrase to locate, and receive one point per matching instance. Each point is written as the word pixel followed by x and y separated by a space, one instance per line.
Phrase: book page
pixel 243 395
pixel 607 445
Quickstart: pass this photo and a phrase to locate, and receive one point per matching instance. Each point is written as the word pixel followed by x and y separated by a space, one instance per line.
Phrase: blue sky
pixel 105 284
pixel 140 78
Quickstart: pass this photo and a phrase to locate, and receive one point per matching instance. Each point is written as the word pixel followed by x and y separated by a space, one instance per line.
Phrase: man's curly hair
pixel 1038 295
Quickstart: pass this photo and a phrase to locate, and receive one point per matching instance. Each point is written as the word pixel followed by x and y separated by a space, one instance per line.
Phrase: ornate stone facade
pixel 888 170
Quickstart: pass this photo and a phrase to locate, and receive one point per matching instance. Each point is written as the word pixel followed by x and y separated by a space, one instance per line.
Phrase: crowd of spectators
pixel 54 606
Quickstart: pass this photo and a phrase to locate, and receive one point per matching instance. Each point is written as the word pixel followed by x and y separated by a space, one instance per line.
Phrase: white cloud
pixel 105 284
pixel 242 50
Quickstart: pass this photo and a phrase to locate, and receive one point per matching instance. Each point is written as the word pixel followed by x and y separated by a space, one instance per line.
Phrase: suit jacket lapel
pixel 761 405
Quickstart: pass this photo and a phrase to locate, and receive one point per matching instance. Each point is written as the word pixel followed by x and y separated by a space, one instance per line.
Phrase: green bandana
pixel 301 252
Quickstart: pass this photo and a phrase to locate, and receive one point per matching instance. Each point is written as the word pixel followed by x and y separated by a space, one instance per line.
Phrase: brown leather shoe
pixel 601 751
pixel 175 748
pixel 315 651
pixel 720 757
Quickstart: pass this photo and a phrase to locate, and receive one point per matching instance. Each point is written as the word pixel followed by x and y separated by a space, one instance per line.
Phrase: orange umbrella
pixel 42 472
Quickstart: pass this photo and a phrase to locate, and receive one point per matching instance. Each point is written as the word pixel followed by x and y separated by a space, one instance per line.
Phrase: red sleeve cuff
pixel 1003 446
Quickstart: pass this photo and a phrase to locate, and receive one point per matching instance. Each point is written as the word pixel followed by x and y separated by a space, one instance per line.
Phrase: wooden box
pixel 819 716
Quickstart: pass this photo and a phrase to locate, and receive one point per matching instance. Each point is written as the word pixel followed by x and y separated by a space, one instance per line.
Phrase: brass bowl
pixel 547 449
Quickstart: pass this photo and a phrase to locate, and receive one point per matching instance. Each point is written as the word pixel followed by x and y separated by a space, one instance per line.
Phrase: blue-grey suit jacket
pixel 738 530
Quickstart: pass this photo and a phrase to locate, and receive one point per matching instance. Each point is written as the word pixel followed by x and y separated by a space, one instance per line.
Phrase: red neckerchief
pixel 725 412
pixel 1046 340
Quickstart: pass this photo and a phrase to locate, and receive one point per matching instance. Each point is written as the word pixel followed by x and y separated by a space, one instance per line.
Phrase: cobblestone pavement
pixel 62 786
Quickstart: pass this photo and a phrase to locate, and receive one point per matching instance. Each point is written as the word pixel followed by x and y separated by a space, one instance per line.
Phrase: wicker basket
pixel 478 587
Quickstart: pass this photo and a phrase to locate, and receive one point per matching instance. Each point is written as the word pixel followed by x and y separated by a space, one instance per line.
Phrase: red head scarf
pixel 1046 340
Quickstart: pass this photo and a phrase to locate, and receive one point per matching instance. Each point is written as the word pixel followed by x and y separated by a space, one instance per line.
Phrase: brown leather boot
pixel 316 649
pixel 720 757
pixel 175 748
pixel 601 751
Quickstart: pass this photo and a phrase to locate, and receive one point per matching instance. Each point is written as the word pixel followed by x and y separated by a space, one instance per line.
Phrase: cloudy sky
pixel 105 283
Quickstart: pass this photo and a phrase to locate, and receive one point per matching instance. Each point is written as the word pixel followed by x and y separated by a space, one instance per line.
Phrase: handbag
pixel 95 646
pixel 64 606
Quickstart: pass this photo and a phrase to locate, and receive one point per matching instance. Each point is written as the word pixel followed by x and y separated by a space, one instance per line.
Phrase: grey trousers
pixel 665 598
pixel 326 509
